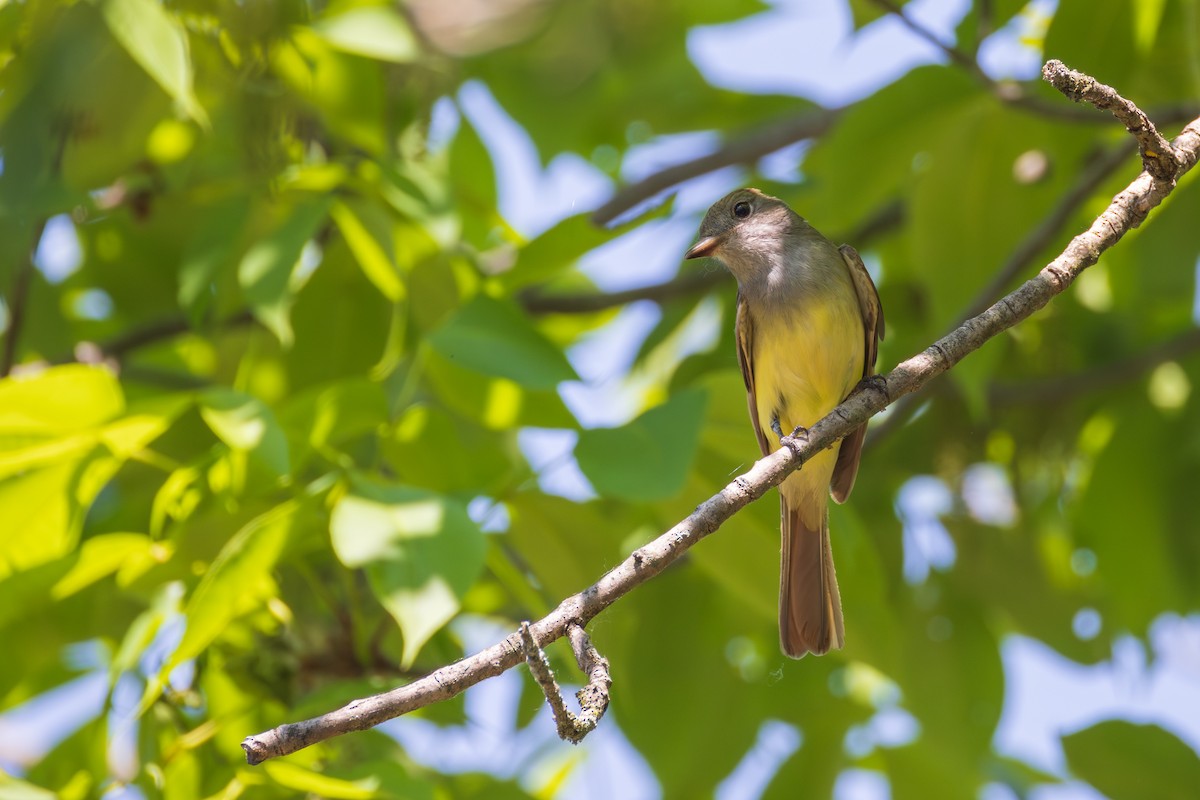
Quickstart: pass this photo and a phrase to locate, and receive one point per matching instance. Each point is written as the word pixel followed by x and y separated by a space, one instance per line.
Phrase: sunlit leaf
pixel 246 425
pixel 236 581
pixel 294 776
pixel 420 551
pixel 372 31
pixel 158 43
pixel 265 272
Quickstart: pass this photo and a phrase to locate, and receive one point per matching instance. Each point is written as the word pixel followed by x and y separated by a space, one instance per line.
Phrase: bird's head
pixel 744 230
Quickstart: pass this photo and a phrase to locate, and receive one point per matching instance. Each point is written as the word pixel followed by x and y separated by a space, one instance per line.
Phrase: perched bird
pixel 809 323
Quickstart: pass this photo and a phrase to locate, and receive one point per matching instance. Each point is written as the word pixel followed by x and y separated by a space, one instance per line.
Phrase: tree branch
pixel 744 149
pixel 141 336
pixel 1158 156
pixel 593 698
pixel 1126 211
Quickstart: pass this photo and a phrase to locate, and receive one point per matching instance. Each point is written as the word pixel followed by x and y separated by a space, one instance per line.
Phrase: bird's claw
pixel 875 382
pixel 798 437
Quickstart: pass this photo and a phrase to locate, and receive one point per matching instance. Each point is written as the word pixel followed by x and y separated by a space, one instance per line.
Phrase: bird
pixel 808 326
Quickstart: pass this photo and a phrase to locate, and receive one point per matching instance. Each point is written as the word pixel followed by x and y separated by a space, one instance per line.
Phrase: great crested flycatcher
pixel 809 323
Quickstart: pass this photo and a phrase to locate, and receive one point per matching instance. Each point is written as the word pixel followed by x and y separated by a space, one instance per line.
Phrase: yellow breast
pixel 804 366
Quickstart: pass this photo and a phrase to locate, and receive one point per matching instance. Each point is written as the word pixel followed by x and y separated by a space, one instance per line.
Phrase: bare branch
pixel 1158 156
pixel 593 698
pixel 1126 211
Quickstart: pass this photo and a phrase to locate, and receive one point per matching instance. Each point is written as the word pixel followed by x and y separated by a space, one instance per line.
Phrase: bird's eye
pixel 741 210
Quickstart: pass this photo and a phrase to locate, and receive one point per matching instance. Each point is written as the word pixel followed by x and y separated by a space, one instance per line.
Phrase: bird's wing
pixel 872 315
pixel 744 331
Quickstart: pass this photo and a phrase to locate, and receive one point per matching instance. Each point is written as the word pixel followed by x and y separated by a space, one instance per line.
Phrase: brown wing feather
pixel 744 332
pixel 872 315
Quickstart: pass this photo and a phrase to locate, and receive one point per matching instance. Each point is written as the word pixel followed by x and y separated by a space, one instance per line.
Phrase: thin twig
pixel 1158 156
pixel 960 58
pixel 1126 211
pixel 593 698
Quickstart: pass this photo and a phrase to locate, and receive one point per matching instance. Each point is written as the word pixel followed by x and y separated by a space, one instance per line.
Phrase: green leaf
pixel 495 403
pixel 14 789
pixel 553 251
pixel 367 232
pixel 158 43
pixel 58 401
pixel 647 459
pixel 913 110
pixel 212 246
pixel 100 557
pixel 473 178
pixel 246 425
pixel 329 415
pixel 432 449
pixel 1126 761
pixel 237 582
pixel 265 272
pixel 1100 44
pixel 296 777
pixel 567 545
pixel 494 338
pixel 1142 576
pixel 371 31
pixel 43 509
pixel 420 551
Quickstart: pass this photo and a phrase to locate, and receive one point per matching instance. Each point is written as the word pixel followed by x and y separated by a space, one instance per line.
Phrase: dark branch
pixel 587 302
pixel 150 333
pixel 884 219
pixel 964 60
pixel 744 149
pixel 18 300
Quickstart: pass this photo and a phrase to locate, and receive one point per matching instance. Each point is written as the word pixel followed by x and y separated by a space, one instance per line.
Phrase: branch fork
pixel 593 698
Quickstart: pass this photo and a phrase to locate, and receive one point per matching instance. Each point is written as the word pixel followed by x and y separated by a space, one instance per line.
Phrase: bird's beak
pixel 704 247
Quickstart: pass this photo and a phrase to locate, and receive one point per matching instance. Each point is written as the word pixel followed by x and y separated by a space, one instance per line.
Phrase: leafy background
pixel 291 418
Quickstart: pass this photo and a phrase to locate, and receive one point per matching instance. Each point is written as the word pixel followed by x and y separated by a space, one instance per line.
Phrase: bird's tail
pixel 810 608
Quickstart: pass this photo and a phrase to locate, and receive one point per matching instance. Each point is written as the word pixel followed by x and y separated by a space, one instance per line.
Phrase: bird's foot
pixel 794 440
pixel 877 383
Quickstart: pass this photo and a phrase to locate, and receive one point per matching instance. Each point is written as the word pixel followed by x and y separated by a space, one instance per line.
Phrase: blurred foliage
pixel 247 438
